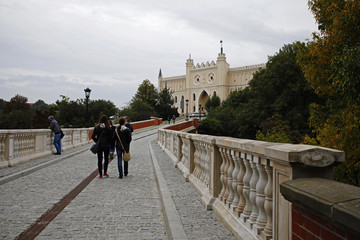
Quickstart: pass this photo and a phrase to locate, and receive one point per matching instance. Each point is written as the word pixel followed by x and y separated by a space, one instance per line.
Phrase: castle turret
pixel 222 70
pixel 160 78
pixel 189 66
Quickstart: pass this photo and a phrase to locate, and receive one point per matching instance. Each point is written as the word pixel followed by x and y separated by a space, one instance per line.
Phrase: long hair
pixel 104 119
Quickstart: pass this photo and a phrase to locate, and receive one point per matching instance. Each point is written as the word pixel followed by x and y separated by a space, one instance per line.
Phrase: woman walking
pixel 103 133
pixel 123 134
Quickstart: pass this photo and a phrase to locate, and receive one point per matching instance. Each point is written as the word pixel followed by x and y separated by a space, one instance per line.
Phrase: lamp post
pixel 200 108
pixel 187 115
pixel 87 95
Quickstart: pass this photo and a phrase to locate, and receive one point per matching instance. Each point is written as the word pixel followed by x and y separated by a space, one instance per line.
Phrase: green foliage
pixel 16 119
pixel 16 114
pixel 212 103
pixel 164 104
pixel 331 64
pixel 39 105
pixel 210 126
pixel 138 111
pixel 275 129
pixel 40 119
pixel 98 108
pixel 146 93
pixel 280 89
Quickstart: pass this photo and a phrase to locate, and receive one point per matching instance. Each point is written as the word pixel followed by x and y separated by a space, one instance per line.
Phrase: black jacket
pixel 125 136
pixel 107 136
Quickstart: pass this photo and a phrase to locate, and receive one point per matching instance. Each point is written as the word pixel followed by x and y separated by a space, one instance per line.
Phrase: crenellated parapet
pixel 247 68
pixel 203 65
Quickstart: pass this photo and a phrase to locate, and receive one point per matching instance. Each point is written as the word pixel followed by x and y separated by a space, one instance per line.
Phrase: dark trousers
pixel 119 152
pixel 100 154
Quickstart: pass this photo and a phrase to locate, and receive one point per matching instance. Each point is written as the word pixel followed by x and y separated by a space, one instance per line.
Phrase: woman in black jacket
pixel 103 133
pixel 125 137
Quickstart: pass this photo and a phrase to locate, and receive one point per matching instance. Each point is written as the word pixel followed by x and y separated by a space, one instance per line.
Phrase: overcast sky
pixel 60 47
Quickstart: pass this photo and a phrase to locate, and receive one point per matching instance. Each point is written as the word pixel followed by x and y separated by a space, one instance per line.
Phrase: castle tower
pixel 222 71
pixel 160 78
pixel 189 66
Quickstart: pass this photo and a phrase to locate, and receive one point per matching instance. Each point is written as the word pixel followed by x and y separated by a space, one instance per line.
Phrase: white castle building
pixel 203 80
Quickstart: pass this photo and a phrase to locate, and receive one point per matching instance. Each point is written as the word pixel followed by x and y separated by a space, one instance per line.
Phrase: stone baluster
pixel 248 206
pixel 240 187
pixel 202 162
pixel 253 181
pixel 267 233
pixel 222 174
pixel 207 164
pixel 197 159
pixel 226 177
pixel 230 178
pixel 236 159
pixel 2 150
pixel 260 196
pixel 185 153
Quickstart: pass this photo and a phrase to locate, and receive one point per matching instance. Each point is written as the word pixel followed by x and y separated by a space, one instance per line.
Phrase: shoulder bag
pixel 95 147
pixel 126 156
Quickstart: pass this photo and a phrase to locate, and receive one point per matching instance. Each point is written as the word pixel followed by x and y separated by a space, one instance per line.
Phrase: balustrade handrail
pixel 20 145
pixel 240 179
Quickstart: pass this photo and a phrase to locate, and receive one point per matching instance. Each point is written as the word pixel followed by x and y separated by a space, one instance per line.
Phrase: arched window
pixel 214 93
pixel 194 97
pixel 175 99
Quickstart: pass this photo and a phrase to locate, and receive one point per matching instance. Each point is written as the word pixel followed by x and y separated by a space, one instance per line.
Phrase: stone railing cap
pixel 306 154
pixel 334 201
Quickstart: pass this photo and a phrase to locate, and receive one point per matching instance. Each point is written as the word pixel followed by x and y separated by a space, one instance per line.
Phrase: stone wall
pixel 240 179
pixel 323 209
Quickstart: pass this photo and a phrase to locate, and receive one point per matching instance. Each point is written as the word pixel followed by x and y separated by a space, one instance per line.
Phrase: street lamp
pixel 200 108
pixel 187 115
pixel 87 95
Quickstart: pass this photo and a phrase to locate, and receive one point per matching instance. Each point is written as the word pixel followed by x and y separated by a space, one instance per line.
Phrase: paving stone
pixel 108 208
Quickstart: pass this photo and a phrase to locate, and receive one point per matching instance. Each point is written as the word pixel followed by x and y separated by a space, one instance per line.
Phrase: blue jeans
pixel 119 152
pixel 57 142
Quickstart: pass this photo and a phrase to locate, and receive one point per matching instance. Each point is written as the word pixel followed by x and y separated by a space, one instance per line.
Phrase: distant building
pixel 203 80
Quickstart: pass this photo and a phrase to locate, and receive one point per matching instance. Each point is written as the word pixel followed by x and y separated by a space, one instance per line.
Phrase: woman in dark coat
pixel 125 137
pixel 103 132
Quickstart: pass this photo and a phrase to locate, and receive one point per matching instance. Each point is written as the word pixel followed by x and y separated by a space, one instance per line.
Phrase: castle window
pixel 194 97
pixel 175 99
pixel 197 79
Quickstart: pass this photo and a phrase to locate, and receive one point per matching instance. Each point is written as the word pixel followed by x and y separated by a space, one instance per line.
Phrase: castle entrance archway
pixel 202 100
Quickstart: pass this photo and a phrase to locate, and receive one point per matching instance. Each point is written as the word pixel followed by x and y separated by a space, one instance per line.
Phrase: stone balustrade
pixel 240 179
pixel 17 146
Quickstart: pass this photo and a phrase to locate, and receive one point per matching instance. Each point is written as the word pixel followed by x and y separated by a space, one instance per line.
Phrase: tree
pixel 138 111
pixel 280 89
pixel 164 104
pixel 99 107
pixel 16 114
pixel 17 103
pixel 146 93
pixel 331 64
pixel 39 105
pixel 212 103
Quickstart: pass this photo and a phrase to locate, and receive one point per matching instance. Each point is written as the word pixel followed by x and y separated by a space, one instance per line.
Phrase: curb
pixel 173 223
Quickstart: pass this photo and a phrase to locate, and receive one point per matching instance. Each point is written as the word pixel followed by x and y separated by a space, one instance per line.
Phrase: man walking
pixel 55 127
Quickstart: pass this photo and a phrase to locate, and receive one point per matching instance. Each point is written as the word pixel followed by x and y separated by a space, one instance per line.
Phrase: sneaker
pixel 100 176
pixel 106 175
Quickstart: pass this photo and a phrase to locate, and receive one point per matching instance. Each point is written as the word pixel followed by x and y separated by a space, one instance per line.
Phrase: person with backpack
pixel 55 127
